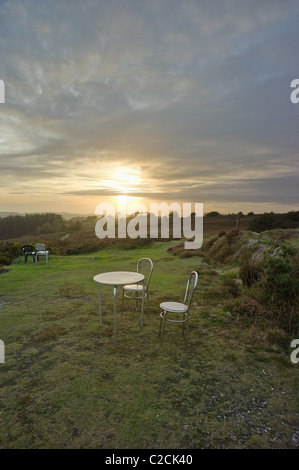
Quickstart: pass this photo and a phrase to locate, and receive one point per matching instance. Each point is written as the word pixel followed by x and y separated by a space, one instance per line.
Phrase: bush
pixel 245 306
pixel 232 236
pixel 209 243
pixel 4 259
pixel 222 249
pixel 231 287
pixel 269 221
pixel 276 336
pixel 251 269
pixel 280 287
pixel 9 251
pixel 221 233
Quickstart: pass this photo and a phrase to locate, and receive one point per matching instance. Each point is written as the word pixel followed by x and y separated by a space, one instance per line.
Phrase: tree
pixel 213 214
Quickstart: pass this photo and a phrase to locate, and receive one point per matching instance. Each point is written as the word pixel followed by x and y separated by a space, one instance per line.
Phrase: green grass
pixel 65 385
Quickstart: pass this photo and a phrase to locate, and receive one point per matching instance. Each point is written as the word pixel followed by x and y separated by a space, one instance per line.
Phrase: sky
pixel 165 101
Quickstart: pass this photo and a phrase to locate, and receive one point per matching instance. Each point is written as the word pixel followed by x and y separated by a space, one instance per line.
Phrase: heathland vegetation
pixel 64 384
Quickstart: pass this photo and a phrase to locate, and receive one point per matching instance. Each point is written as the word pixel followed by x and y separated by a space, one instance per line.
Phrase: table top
pixel 118 278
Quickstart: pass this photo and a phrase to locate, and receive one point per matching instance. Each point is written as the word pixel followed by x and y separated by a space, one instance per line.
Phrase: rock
pixel 259 253
pixel 251 241
pixel 295 438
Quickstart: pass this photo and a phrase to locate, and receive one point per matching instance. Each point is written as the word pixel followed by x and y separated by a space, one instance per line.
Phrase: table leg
pixel 101 323
pixel 142 307
pixel 115 330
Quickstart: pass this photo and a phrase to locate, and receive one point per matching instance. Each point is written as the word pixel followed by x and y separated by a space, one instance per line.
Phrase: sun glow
pixel 124 199
pixel 124 180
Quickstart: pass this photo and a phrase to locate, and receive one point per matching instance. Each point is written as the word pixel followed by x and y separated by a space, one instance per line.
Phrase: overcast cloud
pixel 168 100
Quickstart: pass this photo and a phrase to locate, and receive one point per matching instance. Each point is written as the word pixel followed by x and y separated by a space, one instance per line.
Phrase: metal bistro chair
pixel 40 249
pixel 135 291
pixel 28 250
pixel 179 308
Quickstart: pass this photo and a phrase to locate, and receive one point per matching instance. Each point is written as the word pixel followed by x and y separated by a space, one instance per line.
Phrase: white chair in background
pixel 40 250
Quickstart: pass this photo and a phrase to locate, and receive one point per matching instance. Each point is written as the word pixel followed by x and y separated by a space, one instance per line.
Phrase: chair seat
pixel 174 307
pixel 134 287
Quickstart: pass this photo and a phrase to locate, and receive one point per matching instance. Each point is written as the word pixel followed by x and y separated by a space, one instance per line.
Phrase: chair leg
pixel 163 324
pixel 122 302
pixel 187 336
pixel 160 329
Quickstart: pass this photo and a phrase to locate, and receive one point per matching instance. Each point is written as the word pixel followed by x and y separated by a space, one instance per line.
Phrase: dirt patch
pixel 3 303
pixel 4 271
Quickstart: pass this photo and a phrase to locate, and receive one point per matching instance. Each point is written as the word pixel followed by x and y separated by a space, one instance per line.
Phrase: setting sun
pixel 124 180
pixel 127 181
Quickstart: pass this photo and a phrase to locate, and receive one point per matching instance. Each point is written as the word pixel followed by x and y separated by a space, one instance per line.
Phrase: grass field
pixel 65 385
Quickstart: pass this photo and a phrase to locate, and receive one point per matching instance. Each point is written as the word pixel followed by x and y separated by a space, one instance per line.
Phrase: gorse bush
pixel 282 275
pixel 9 251
pixel 231 287
pixel 246 306
pixel 222 248
pixel 270 221
pixel 251 269
pixel 280 287
pixel 271 287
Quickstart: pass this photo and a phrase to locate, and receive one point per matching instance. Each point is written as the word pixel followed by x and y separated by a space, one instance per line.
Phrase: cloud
pixel 192 95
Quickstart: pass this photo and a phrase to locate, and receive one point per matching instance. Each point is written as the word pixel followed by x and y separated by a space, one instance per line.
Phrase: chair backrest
pixel 40 247
pixel 190 289
pixel 146 264
pixel 28 249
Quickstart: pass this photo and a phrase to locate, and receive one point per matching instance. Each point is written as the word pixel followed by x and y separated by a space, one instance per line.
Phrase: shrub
pixel 281 275
pixel 9 251
pixel 4 259
pixel 209 243
pixel 277 336
pixel 232 236
pixel 231 287
pixel 251 269
pixel 231 274
pixel 271 221
pixel 222 249
pixel 280 287
pixel 221 233
pixel 245 306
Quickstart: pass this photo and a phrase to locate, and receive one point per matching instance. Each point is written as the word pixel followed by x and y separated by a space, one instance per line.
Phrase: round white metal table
pixel 116 279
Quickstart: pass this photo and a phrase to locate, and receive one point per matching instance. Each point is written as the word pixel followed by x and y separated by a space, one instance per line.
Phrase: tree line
pixel 15 226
